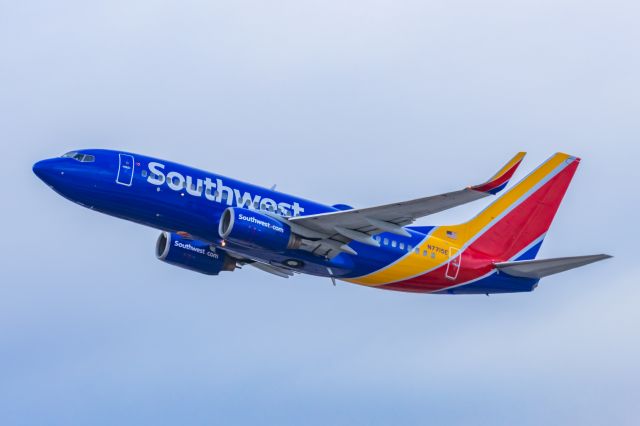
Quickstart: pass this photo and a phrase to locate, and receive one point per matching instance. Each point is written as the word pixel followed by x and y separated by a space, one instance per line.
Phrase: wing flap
pixel 271 269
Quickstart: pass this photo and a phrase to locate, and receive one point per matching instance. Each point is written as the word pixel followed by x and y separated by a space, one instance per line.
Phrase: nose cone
pixel 47 171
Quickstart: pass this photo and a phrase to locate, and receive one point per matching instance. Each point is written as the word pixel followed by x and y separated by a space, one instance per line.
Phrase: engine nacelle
pixel 253 229
pixel 191 254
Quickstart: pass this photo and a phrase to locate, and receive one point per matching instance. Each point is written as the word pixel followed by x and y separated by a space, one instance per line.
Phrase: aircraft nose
pixel 47 170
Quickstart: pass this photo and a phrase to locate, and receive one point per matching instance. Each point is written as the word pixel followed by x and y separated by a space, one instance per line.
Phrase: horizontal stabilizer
pixel 545 267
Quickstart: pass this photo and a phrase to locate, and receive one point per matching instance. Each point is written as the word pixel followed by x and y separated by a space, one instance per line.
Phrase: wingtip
pixel 598 257
pixel 501 179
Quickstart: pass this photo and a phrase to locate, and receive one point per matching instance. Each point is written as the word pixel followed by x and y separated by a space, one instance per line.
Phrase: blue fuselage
pixel 175 198
pixel 190 204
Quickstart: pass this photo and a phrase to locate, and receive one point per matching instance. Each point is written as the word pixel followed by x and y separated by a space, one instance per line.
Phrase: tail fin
pixel 513 227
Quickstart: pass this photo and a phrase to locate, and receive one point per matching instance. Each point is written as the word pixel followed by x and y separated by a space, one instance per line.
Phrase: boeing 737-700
pixel 211 223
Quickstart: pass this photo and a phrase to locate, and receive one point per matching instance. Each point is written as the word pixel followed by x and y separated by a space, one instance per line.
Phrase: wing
pixel 339 228
pixel 242 259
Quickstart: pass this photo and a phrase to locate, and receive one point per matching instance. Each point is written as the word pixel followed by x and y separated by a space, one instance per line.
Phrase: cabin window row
pixel 404 247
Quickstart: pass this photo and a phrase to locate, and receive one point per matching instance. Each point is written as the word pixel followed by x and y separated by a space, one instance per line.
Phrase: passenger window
pixel 417 250
pixel 424 253
pixel 386 241
pixel 409 248
pixel 144 173
pixel 401 246
pixel 394 243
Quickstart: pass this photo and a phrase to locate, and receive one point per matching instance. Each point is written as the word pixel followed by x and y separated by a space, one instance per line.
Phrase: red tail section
pixel 511 228
pixel 524 214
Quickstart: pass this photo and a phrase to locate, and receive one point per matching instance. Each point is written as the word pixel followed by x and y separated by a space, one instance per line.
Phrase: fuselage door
pixel 125 170
pixel 455 260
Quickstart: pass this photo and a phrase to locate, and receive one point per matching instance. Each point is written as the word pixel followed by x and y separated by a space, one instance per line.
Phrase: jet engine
pixel 253 229
pixel 192 254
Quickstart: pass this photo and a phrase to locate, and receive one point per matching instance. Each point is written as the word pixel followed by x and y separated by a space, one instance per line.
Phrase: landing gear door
pixel 453 267
pixel 125 170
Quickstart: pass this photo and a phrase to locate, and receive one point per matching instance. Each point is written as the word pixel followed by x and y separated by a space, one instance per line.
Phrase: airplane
pixel 212 223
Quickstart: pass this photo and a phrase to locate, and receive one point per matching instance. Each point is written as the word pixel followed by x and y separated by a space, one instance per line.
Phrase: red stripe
pixel 505 239
pixel 486 187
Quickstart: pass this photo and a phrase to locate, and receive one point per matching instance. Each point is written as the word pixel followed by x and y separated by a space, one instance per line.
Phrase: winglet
pixel 500 180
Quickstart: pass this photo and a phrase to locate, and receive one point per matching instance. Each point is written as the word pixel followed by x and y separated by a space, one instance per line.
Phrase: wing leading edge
pixel 342 227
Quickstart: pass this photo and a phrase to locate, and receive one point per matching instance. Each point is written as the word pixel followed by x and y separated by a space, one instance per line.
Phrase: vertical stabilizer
pixel 516 223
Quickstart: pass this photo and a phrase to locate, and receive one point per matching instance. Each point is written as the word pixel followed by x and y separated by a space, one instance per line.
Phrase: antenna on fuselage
pixel 333 279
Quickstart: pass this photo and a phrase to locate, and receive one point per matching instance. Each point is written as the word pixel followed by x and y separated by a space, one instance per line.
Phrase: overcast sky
pixel 358 102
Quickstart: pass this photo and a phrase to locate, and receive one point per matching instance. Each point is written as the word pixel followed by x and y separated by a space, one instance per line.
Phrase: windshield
pixel 83 158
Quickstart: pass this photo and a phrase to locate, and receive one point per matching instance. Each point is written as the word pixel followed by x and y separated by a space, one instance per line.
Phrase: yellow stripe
pixel 438 243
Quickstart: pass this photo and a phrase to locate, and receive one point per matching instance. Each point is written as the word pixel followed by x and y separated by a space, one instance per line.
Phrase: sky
pixel 359 102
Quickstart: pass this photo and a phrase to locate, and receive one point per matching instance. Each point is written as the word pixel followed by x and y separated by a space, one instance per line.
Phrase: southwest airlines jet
pixel 212 223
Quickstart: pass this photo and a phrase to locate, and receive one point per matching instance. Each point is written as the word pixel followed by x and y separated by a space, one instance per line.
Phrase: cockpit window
pixel 83 158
